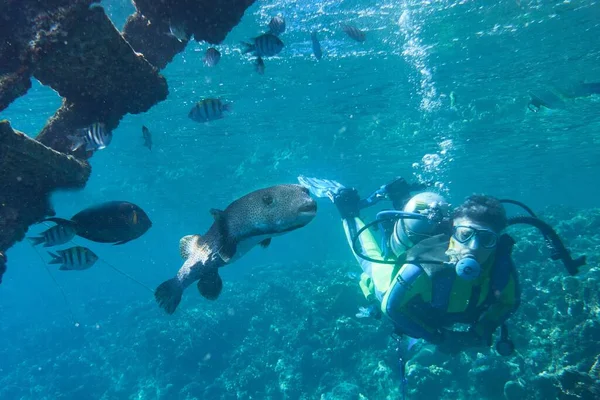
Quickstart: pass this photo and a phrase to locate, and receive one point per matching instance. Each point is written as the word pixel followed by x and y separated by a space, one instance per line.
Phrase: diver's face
pixel 472 239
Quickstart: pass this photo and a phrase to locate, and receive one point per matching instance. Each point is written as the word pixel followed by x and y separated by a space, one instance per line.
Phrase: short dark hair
pixel 483 209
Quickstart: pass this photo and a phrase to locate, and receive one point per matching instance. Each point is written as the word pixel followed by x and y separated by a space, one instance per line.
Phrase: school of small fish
pixel 97 137
pixel 119 222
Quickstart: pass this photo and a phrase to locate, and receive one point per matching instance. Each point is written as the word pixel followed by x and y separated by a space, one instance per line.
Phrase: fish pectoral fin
pixel 265 243
pixel 216 213
pixel 227 251
pixel 210 284
pixel 188 245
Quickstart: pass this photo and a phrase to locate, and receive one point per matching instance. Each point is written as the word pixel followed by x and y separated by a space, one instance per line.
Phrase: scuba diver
pixel 433 269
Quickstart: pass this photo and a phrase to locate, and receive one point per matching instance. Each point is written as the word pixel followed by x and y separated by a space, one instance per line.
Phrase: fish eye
pixel 268 199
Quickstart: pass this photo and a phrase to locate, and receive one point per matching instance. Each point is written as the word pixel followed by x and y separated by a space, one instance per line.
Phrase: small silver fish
pixel 147 137
pixel 354 33
pixel 266 45
pixel 57 235
pixel 74 258
pixel 316 46
pixel 208 110
pixel 95 137
pixel 277 25
pixel 212 57
pixel 260 66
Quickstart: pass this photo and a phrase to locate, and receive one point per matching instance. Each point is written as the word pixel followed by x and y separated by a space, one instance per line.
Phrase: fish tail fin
pixel 227 106
pixel 168 295
pixel 76 142
pixel 56 259
pixel 248 47
pixel 36 240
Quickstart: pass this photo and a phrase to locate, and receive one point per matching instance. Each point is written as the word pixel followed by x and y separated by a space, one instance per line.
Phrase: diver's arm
pixel 413 285
pixel 498 312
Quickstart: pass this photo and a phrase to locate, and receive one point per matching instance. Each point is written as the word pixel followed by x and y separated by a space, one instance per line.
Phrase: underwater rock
pixel 76 50
pixel 100 77
pixel 148 30
pixel 30 172
pixel 13 85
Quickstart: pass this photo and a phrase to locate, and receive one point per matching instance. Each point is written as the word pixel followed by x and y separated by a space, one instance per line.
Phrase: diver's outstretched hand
pixel 321 187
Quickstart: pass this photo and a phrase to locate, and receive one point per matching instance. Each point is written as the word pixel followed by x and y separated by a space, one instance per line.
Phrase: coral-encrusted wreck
pixel 101 74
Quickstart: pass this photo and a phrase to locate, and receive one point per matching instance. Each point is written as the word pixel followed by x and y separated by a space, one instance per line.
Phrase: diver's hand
pixel 398 191
pixel 347 202
pixel 372 311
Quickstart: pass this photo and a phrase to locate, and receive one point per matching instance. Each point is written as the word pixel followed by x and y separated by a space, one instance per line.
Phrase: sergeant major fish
pixel 277 25
pixel 354 33
pixel 95 137
pixel 250 220
pixel 265 45
pixel 208 110
pixel 74 258
pixel 212 57
pixel 57 235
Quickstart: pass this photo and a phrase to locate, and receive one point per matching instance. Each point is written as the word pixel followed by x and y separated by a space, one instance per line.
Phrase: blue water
pixel 365 113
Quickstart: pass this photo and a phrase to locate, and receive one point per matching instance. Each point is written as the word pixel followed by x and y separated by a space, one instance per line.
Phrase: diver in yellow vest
pixel 432 270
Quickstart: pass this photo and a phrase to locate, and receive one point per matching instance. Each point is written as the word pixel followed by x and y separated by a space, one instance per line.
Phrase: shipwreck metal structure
pixel 101 74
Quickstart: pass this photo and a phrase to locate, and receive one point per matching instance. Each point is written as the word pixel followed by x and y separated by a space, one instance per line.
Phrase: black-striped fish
pixel 212 57
pixel 277 25
pixel 354 33
pixel 75 258
pixel 59 234
pixel 316 46
pixel 95 137
pixel 147 137
pixel 208 110
pixel 266 45
pixel 260 66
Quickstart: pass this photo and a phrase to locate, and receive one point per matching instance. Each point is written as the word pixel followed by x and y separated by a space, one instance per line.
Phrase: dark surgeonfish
pixel 260 66
pixel 208 110
pixel 75 258
pixel 2 265
pixel 354 33
pixel 316 46
pixel 265 45
pixel 250 220
pixel 57 235
pixel 147 137
pixel 277 25
pixel 115 222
